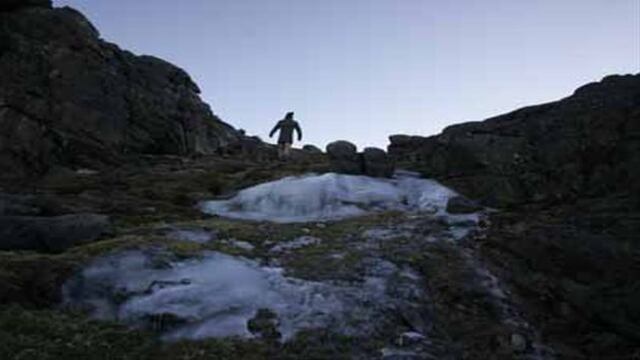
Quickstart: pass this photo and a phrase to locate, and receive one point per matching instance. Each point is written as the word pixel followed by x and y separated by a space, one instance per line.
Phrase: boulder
pixel 344 158
pixel 377 163
pixel 311 149
pixel 51 234
pixel 462 205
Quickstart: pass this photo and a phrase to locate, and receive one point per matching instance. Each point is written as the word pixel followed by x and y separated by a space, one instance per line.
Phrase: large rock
pixel 377 163
pixel 11 5
pixel 51 234
pixel 583 146
pixel 344 158
pixel 69 98
pixel 311 149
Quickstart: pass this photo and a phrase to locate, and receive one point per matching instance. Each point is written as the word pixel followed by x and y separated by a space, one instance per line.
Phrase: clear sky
pixel 364 69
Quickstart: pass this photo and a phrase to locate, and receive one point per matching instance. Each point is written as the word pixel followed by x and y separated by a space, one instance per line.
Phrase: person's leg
pixel 287 150
pixel 281 151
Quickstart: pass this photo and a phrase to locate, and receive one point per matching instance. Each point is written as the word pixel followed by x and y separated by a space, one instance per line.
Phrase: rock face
pixel 345 159
pixel 584 145
pixel 10 5
pixel 51 234
pixel 567 177
pixel 67 97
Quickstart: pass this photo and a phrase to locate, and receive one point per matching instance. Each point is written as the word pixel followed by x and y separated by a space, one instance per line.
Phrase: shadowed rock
pixel 584 145
pixel 377 163
pixel 69 98
pixel 311 149
pixel 344 158
pixel 10 5
pixel 51 234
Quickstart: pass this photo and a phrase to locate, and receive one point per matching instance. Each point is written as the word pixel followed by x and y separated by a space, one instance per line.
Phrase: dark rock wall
pixel 584 145
pixel 67 97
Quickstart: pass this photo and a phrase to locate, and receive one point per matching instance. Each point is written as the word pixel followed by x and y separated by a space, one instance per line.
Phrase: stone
pixel 265 325
pixel 51 234
pixel 311 149
pixel 462 205
pixel 377 163
pixel 343 158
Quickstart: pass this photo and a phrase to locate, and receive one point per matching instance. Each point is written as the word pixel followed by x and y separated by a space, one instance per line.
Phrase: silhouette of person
pixel 285 140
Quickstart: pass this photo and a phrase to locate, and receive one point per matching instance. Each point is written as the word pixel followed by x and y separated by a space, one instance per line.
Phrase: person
pixel 285 140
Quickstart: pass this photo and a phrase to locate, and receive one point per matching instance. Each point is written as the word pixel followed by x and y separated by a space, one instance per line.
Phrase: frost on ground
pixel 331 197
pixel 296 243
pixel 217 294
pixel 199 236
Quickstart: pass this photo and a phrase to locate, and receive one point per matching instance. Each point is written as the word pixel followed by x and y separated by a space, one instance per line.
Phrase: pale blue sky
pixel 364 69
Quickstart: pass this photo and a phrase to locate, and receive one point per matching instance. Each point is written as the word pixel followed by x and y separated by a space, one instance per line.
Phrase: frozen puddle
pixel 331 197
pixel 217 294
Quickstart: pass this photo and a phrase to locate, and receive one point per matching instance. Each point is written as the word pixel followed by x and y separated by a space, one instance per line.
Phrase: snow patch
pixel 331 197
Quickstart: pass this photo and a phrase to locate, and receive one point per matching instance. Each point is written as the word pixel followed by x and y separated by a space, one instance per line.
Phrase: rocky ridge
pixel 553 274
pixel 585 145
pixel 69 98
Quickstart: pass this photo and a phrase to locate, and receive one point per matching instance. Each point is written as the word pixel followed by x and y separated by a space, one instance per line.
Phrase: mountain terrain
pixel 136 224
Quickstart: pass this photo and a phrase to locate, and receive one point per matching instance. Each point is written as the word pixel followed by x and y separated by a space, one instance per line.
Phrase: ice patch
pixel 331 197
pixel 244 245
pixel 199 236
pixel 296 243
pixel 216 295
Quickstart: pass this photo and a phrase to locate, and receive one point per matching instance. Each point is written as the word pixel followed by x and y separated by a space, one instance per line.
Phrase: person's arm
pixel 275 128
pixel 299 131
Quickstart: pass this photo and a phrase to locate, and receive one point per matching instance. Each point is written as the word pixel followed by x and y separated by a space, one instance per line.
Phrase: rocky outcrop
pixel 345 159
pixel 584 145
pixel 67 97
pixel 567 177
pixel 51 234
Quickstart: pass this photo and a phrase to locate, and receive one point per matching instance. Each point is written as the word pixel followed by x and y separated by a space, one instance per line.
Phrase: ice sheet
pixel 331 197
